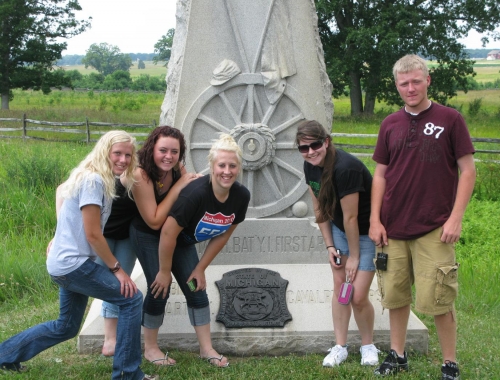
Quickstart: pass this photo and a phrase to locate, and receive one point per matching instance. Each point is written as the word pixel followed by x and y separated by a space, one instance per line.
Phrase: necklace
pixel 159 183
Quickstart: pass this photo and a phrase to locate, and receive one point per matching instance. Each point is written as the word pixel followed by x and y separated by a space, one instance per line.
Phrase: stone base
pixel 309 297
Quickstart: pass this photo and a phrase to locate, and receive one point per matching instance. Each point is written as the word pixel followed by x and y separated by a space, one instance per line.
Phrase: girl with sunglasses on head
pixel 340 189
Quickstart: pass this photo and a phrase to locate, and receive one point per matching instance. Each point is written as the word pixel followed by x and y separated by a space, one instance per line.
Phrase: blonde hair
pixel 227 143
pixel 409 63
pixel 98 162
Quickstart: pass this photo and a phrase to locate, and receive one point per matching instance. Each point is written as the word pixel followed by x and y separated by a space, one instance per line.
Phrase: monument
pixel 255 69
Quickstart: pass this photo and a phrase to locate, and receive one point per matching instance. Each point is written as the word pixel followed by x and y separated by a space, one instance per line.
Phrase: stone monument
pixel 255 69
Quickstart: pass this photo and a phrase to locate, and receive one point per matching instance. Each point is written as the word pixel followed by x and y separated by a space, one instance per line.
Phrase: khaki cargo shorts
pixel 426 262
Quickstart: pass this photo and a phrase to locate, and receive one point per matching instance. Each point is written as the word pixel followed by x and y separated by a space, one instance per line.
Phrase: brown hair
pixel 311 130
pixel 146 156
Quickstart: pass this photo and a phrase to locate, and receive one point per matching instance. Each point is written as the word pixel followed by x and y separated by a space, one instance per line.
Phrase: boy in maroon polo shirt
pixel 418 202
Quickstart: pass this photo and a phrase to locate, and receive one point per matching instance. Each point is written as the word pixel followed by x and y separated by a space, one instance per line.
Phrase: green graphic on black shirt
pixel 315 186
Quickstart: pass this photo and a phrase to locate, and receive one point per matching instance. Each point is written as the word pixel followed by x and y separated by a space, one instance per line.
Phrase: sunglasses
pixel 314 146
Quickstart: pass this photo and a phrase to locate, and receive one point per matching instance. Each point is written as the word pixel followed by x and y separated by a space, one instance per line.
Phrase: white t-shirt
pixel 70 248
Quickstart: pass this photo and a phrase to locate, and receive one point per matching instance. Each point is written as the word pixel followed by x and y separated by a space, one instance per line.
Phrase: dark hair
pixel 311 130
pixel 146 156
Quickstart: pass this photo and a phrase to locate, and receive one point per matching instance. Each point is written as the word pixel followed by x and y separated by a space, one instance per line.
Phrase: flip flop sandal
pixel 219 358
pixel 15 367
pixel 163 360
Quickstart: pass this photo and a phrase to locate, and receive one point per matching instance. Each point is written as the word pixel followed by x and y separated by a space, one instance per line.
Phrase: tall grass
pixel 29 175
pixel 477 253
pixel 75 106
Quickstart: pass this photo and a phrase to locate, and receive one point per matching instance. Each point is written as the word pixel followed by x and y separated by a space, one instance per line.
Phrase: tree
pixel 163 48
pixel 93 81
pixel 73 75
pixel 106 59
pixel 145 82
pixel 363 39
pixel 30 32
pixel 118 80
pixel 140 64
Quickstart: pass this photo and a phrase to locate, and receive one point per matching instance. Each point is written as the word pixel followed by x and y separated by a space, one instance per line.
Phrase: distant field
pixel 151 69
pixel 487 72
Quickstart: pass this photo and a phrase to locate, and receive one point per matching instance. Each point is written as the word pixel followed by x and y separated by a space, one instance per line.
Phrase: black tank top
pixel 123 210
pixel 139 223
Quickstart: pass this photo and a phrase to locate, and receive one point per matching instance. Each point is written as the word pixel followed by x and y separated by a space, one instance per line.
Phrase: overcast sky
pixel 133 25
pixel 136 25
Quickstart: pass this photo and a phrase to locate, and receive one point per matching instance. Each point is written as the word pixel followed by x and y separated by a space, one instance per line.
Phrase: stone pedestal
pixel 256 244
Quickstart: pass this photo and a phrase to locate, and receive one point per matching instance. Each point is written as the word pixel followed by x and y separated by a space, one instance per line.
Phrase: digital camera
pixel 381 262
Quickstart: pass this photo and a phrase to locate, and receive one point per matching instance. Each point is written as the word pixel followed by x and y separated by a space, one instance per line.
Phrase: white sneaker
pixel 336 356
pixel 369 354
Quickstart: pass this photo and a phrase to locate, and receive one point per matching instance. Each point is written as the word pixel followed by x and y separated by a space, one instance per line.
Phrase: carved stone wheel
pixel 265 133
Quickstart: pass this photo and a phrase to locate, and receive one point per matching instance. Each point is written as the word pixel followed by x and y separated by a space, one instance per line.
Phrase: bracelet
pixel 330 246
pixel 116 268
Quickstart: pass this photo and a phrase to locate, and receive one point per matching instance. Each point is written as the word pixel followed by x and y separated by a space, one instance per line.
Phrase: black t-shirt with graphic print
pixel 202 216
pixel 350 176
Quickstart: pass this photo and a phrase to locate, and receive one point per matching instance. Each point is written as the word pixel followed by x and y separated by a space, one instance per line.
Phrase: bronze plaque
pixel 253 297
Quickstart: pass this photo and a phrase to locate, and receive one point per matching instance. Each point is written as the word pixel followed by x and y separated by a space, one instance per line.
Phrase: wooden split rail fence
pixel 81 128
pixel 84 128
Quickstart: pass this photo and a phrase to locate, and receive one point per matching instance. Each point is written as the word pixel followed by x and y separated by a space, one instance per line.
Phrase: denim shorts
pixel 125 255
pixel 366 248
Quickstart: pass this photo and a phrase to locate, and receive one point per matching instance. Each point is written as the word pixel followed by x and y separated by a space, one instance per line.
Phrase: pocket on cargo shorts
pixel 446 284
pixel 380 283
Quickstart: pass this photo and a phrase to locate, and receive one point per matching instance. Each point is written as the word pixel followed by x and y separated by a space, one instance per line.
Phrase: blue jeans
pixel 366 248
pixel 89 280
pixel 184 261
pixel 122 250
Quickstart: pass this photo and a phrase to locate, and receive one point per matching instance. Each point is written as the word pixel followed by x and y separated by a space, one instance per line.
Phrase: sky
pixel 473 41
pixel 136 25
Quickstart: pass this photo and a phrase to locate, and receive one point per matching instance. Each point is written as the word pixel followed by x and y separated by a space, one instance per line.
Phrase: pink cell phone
pixel 346 292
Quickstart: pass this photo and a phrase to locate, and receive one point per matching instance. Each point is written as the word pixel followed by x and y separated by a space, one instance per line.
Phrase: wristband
pixel 330 246
pixel 116 268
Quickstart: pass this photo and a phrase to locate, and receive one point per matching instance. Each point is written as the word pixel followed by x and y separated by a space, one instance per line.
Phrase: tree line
pixel 361 42
pixel 117 80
